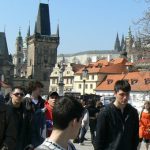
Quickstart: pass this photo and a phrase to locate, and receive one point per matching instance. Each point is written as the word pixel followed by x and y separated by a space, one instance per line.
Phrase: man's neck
pixel 34 96
pixel 119 106
pixel 16 105
pixel 60 137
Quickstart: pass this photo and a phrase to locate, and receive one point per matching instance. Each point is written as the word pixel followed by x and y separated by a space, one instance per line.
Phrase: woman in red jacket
pixel 49 104
pixel 144 126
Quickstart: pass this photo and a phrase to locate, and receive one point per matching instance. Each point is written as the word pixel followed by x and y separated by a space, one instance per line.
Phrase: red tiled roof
pixel 104 86
pixel 115 66
pixel 136 80
pixel 77 67
pixel 119 61
pixel 90 70
pixel 114 69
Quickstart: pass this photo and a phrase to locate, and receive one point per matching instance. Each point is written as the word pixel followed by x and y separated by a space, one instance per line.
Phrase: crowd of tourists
pixel 29 122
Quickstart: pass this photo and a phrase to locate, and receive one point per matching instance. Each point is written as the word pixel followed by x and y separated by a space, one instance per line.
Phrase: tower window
pixel 19 48
pixel 45 76
pixel 53 81
pixel 79 86
pixel 86 86
pixel 91 86
pixel 19 60
pixel 30 62
pixel 92 77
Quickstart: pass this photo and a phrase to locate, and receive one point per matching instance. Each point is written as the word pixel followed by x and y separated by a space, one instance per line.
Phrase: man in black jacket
pixel 7 128
pixel 117 123
pixel 15 103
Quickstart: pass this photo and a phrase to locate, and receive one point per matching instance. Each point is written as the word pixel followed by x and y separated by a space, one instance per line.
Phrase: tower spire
pixel 129 32
pixel 117 43
pixel 58 30
pixel 42 25
pixel 28 33
pixel 4 28
pixel 122 43
pixel 19 31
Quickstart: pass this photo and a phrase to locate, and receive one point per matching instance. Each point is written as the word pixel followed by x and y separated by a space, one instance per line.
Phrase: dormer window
pixel 133 81
pixel 147 80
pixel 109 81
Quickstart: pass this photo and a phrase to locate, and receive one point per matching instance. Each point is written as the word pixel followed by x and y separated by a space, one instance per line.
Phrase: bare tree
pixel 143 23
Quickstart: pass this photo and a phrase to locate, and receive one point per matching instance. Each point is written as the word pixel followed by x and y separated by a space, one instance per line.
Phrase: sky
pixel 84 24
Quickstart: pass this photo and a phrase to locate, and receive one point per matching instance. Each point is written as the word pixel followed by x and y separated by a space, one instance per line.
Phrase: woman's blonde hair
pixel 147 103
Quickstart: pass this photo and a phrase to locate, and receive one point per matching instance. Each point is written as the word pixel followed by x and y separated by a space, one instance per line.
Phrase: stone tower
pixel 18 56
pixel 42 48
pixel 129 41
pixel 6 66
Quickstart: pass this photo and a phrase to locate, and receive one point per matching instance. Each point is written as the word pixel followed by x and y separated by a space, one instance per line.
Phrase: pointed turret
pixel 3 46
pixel 19 32
pixel 117 44
pixel 130 33
pixel 42 25
pixel 58 30
pixel 35 28
pixel 122 43
pixel 28 33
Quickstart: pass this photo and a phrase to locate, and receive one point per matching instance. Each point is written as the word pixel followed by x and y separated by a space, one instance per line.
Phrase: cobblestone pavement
pixel 88 146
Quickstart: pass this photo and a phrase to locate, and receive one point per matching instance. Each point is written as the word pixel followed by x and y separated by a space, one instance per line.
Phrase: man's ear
pixel 74 122
pixel 11 94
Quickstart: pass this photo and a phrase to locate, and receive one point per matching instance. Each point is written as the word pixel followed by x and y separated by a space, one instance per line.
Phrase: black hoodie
pixel 117 130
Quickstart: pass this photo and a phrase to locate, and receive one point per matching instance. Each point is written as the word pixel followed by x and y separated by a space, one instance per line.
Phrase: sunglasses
pixel 18 94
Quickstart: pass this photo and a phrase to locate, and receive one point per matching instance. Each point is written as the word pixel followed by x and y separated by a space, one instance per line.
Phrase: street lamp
pixel 84 77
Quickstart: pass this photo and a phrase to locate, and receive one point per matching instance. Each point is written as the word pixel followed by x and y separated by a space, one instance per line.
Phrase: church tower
pixel 129 41
pixel 123 44
pixel 42 47
pixel 117 44
pixel 18 56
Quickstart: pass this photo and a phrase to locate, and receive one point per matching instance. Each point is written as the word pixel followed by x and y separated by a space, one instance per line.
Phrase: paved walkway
pixel 88 146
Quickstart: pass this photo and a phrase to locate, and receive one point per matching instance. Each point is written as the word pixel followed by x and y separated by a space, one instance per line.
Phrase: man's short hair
pixel 51 94
pixel 122 85
pixel 65 110
pixel 17 87
pixel 35 84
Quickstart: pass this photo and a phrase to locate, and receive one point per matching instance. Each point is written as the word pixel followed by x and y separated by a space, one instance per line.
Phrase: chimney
pixel 94 59
pixel 108 58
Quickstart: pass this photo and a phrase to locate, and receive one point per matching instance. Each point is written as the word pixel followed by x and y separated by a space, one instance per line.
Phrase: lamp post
pixel 84 77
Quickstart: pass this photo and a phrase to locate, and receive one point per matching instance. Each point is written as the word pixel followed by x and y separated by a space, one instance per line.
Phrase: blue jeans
pixel 82 134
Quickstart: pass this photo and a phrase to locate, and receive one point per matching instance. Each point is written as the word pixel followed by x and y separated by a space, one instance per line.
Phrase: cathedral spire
pixel 117 44
pixel 122 43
